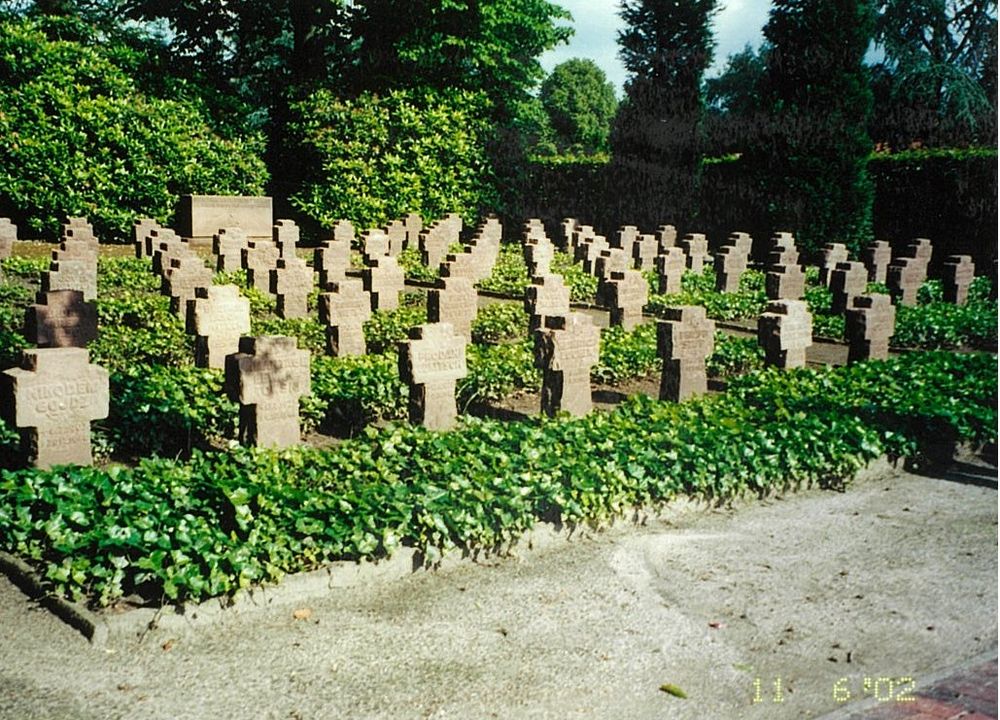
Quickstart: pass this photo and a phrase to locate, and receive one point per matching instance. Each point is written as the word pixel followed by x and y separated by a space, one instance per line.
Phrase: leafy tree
pixel 580 103
pixel 375 158
pixel 733 101
pixel 812 158
pixel 81 138
pixel 934 84
pixel 666 46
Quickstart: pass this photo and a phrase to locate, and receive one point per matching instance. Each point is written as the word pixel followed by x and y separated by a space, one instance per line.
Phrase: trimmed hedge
pixel 169 530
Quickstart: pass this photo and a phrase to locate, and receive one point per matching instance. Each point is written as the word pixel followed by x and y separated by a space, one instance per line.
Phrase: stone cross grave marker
pixel 52 398
pixel 267 377
pixel 453 300
pixel 414 224
pixel 259 258
pixel 384 280
pixel 625 294
pixel 395 232
pixel 546 296
pixel 8 234
pixel 730 264
pixel 140 230
pixel 566 348
pixel 666 236
pixel 785 282
pixel 831 254
pixel 568 226
pixel 625 239
pixel 285 236
pixel 670 267
pixel 684 342
pixel 958 273
pixel 876 258
pixel 181 280
pixel 644 252
pixel 228 245
pixel 166 248
pixel 588 250
pixel 217 316
pixel 152 241
pixel 374 244
pixel 332 260
pixel 784 330
pixel 343 231
pixel 538 255
pixel 72 274
pixel 62 318
pixel 433 246
pixel 613 260
pixel 430 362
pixel 847 281
pixel 782 250
pixel 921 249
pixel 869 323
pixel 291 282
pixel 695 247
pixel 343 310
pixel 904 278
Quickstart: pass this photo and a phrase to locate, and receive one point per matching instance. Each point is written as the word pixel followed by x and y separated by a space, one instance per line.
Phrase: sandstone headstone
pixel 51 399
pixel 383 279
pixel 140 231
pixel 538 255
pixel 644 252
pixel 71 275
pixel 670 268
pixel 666 236
pixel 343 311
pixel 199 216
pixel 453 300
pixel 291 282
pixel 546 296
pixel 430 362
pixel 869 323
pixel 285 236
pixel 374 243
pixel 588 250
pixel 259 258
pixel 625 294
pixel 784 330
pixel 847 281
pixel 785 282
pixel 831 254
pixel 217 316
pixel 156 237
pixel 877 257
pixel 8 234
pixel 782 251
pixel 684 342
pixel 62 318
pixel 267 377
pixel 433 246
pixel 695 248
pixel 730 264
pixel 958 274
pixel 904 278
pixel 613 260
pixel 414 225
pixel 625 239
pixel 228 245
pixel 920 249
pixel 182 279
pixel 568 227
pixel 395 233
pixel 332 260
pixel 566 348
pixel 343 231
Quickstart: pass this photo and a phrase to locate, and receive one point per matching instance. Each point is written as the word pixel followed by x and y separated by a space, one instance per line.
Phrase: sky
pixel 597 23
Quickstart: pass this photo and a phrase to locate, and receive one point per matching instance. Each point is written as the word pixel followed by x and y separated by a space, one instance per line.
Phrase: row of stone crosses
pixel 56 392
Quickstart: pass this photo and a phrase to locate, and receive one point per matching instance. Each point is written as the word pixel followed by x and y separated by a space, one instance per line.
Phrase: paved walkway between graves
pixel 765 610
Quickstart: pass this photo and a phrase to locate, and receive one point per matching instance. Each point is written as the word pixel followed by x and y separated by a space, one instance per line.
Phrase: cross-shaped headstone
pixel 782 250
pixel 433 246
pixel 430 362
pixel 847 281
pixel 613 260
pixel 285 235
pixel 695 247
pixel 267 377
pixel 546 296
pixel 921 249
pixel 566 348
pixel 784 330
pixel 904 278
pixel 730 264
pixel 259 258
pixel 140 230
pixel 332 260
pixel 684 342
pixel 625 238
pixel 957 274
pixel 538 255
pixel 228 245
pixel 831 254
pixel 785 282
pixel 670 268
pixel 876 258
pixel 453 300
pixel 61 318
pixel 374 244
pixel 52 399
pixel 8 234
pixel 72 275
pixel 414 225
pixel 384 280
pixel 395 232
pixel 644 252
pixel 217 316
pixel 180 281
pixel 869 323
pixel 343 311
pixel 588 250
pixel 343 231
pixel 167 247
pixel 666 236
pixel 568 227
pixel 291 282
pixel 625 294
pixel 154 239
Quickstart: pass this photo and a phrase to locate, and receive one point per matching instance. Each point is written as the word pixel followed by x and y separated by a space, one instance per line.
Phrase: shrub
pixel 82 139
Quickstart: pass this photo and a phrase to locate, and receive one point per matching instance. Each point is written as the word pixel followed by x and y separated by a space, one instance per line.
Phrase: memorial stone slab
pixel 332 260
pixel 259 258
pixel 625 294
pixel 784 330
pixel 199 216
pixel 182 279
pixel 831 254
pixel 847 281
pixel 546 296
pixel 52 398
pixel 291 283
pixel 876 258
pixel 957 274
pixel 869 323
pixel 670 268
pixel 343 311
pixel 785 282
pixel 217 316
pixel 684 342
pixel 904 278
pixel 62 318
pixel 228 245
pixel 566 348
pixel 695 248
pixel 285 236
pixel 430 362
pixel 8 234
pixel 267 377
pixel 383 279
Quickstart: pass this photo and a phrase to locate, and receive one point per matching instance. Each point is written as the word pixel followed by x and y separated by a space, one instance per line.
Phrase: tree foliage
pixel 81 138
pixel 580 103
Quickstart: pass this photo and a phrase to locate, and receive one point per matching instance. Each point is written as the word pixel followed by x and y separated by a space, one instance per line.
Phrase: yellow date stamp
pixel 845 689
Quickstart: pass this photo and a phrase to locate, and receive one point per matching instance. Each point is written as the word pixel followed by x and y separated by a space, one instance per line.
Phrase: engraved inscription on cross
pixel 430 362
pixel 684 342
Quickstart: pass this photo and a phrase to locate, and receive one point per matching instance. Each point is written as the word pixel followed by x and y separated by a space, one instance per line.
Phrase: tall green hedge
pixel 80 138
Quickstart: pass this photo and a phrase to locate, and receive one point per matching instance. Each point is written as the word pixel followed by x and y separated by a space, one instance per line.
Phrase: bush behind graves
pixel 170 530
pixel 85 140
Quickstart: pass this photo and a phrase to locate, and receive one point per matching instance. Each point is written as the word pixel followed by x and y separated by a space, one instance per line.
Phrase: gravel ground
pixel 894 578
